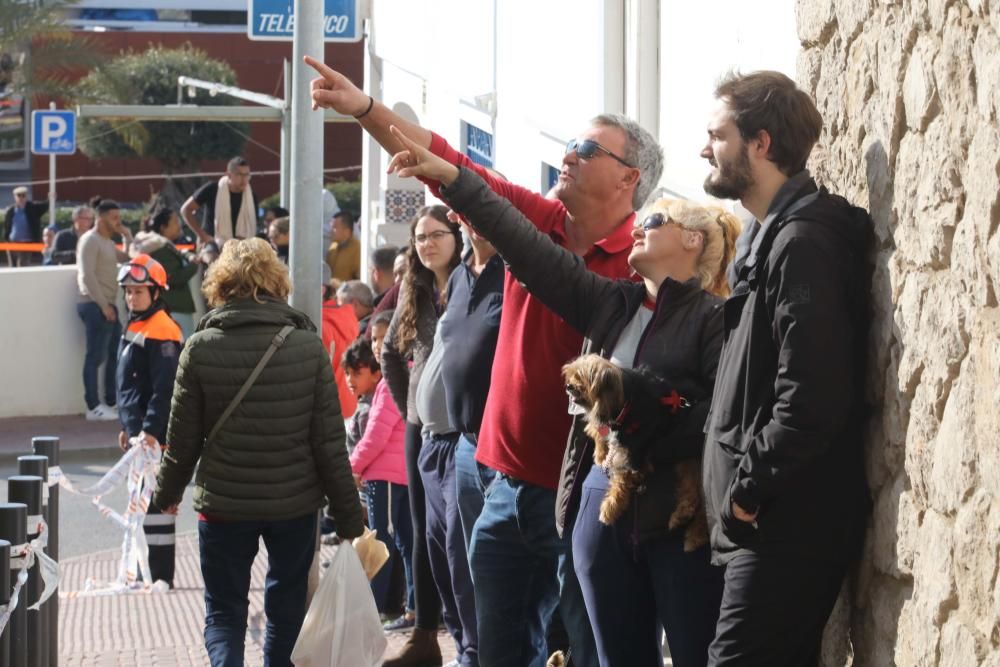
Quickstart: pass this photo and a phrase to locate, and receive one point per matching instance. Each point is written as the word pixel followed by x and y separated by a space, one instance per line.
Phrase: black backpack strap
pixel 276 342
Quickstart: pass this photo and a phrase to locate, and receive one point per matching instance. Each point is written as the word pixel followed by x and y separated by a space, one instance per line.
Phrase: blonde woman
pixel 635 573
pixel 266 461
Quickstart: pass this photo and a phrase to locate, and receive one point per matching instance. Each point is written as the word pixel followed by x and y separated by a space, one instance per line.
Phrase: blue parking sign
pixel 275 20
pixel 53 132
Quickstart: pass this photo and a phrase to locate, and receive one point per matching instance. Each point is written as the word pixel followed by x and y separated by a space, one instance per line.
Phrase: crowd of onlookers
pixel 580 422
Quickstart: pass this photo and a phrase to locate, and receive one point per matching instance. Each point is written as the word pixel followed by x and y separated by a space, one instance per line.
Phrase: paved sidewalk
pixel 75 434
pixel 157 629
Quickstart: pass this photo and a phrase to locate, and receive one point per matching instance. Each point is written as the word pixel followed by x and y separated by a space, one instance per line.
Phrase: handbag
pixel 276 342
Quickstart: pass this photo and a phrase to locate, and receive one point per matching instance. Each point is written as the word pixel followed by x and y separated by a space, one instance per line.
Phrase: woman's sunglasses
pixel 588 148
pixel 653 221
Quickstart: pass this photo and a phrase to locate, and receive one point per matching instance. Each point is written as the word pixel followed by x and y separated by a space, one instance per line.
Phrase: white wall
pixel 41 356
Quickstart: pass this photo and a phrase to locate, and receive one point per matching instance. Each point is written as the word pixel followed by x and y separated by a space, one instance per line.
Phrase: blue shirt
pixel 469 330
pixel 20 230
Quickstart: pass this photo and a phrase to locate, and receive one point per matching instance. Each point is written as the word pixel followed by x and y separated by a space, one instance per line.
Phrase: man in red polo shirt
pixel 517 555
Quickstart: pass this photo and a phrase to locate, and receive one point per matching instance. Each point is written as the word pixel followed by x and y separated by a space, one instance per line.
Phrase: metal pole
pixel 286 136
pixel 5 588
pixel 48 446
pixel 13 529
pixel 52 182
pixel 27 489
pixel 39 467
pixel 307 165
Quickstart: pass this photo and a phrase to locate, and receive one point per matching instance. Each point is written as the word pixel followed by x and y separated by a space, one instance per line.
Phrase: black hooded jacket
pixel 784 435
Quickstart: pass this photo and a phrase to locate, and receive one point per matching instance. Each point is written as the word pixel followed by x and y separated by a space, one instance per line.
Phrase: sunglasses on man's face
pixel 588 149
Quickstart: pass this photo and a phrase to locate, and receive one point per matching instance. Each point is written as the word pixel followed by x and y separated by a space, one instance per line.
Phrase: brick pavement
pixel 157 629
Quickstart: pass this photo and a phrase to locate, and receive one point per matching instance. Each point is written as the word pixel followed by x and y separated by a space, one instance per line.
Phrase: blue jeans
pixel 471 481
pixel 228 549
pixel 515 556
pixel 400 544
pixel 102 346
pixel 631 590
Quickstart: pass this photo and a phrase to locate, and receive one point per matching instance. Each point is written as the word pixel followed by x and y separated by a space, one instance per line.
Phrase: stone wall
pixel 910 94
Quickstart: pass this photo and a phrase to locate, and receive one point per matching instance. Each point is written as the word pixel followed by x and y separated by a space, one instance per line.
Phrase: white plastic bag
pixel 342 627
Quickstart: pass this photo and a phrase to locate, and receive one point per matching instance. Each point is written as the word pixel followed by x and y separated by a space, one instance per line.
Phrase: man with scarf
pixel 230 206
pixel 147 364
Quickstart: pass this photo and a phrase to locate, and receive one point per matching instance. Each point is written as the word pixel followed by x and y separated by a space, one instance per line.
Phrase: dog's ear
pixel 608 390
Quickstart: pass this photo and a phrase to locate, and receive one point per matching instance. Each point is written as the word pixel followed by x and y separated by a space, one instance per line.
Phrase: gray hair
pixel 641 149
pixel 82 210
pixel 355 291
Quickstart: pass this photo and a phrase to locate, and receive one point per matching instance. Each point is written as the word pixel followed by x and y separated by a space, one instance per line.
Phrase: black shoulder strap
pixel 276 342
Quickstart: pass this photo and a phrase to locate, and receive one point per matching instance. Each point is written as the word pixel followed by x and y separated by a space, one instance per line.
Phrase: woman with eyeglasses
pixel 435 250
pixel 635 574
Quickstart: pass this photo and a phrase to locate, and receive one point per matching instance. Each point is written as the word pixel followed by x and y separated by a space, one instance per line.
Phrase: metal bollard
pixel 5 588
pixel 39 467
pixel 13 525
pixel 27 489
pixel 48 446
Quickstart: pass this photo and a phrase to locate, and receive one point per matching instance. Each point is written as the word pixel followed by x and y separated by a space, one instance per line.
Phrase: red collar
pixel 618 240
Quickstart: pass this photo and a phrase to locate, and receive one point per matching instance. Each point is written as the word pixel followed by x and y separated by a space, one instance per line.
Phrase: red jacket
pixel 526 421
pixel 340 328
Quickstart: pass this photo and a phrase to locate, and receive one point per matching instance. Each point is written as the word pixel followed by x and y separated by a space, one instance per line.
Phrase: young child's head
pixel 380 325
pixel 144 281
pixel 361 369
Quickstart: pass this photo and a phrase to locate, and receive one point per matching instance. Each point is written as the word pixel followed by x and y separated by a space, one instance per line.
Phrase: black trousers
pixel 774 609
pixel 425 592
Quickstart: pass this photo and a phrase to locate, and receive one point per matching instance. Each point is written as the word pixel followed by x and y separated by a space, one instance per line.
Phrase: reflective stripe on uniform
pixel 161 539
pixel 159 520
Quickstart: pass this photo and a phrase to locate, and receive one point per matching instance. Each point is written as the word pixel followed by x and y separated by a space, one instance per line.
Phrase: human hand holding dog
pixel 742 515
pixel 415 160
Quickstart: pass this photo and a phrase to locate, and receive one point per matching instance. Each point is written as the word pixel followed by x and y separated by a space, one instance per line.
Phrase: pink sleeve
pixel 531 204
pixel 382 417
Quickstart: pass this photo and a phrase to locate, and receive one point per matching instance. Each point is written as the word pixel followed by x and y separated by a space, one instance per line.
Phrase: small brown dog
pixel 625 410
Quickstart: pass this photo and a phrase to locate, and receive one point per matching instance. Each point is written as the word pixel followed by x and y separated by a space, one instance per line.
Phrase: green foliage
pixel 348 194
pixel 150 77
pixel 43 69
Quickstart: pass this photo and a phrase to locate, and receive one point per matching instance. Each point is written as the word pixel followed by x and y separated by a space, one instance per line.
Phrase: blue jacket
pixel 147 364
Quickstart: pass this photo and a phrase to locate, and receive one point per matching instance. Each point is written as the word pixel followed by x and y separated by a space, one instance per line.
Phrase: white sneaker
pixel 101 413
pixel 111 409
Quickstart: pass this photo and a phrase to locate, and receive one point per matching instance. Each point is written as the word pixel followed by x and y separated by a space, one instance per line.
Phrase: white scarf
pixel 246 223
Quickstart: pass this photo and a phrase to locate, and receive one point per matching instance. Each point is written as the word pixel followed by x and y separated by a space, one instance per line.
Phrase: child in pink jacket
pixel 380 467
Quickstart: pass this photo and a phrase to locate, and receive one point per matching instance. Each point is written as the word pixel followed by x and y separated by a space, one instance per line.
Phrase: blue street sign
pixel 53 132
pixel 274 20
pixel 478 145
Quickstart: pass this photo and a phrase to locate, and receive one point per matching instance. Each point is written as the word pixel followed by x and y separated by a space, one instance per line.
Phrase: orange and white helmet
pixel 143 270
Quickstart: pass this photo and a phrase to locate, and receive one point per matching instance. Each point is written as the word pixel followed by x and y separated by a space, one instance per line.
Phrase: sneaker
pixel 453 663
pixel 331 539
pixel 401 623
pixel 101 413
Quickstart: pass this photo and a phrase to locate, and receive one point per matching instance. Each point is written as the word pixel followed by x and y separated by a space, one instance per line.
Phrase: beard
pixel 732 180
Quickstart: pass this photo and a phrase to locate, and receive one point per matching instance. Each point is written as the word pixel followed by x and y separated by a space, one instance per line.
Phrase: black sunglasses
pixel 588 148
pixel 653 221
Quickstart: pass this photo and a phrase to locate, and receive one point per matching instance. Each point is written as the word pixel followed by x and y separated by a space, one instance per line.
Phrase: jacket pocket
pixel 741 533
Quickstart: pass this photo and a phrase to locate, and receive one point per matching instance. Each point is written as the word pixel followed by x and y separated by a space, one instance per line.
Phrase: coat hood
pixel 248 312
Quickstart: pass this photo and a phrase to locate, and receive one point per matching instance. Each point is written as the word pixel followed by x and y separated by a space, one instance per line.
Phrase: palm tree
pixel 38 52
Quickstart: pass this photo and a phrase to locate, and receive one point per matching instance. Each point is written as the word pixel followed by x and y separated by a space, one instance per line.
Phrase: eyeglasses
pixel 21 195
pixel 589 148
pixel 136 273
pixel 433 237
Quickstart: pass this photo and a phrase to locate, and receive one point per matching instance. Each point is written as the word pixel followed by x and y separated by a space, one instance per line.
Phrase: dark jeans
pixel 382 507
pixel 471 481
pixel 102 346
pixel 631 590
pixel 228 549
pixel 446 545
pixel 425 593
pixel 774 609
pixel 517 558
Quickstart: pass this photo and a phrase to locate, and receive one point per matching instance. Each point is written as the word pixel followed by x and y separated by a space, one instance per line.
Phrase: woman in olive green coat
pixel 162 231
pixel 273 462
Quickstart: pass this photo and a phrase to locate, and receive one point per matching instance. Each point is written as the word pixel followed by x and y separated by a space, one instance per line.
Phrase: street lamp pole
pixel 306 201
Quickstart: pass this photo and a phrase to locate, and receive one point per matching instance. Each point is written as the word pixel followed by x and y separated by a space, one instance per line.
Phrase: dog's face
pixel 595 384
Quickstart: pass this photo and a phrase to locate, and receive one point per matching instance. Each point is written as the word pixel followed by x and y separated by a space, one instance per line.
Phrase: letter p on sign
pixel 53 132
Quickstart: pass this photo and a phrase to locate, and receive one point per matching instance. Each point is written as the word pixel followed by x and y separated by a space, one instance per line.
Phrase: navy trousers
pixel 446 545
pixel 632 590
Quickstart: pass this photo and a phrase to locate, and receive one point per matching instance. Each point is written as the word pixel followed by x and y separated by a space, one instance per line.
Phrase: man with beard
pixel 784 479
pixel 519 552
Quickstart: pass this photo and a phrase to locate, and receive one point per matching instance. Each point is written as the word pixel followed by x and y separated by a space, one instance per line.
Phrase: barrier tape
pixel 23 558
pixel 138 468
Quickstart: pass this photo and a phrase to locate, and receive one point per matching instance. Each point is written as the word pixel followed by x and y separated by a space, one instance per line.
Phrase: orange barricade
pixel 39 247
